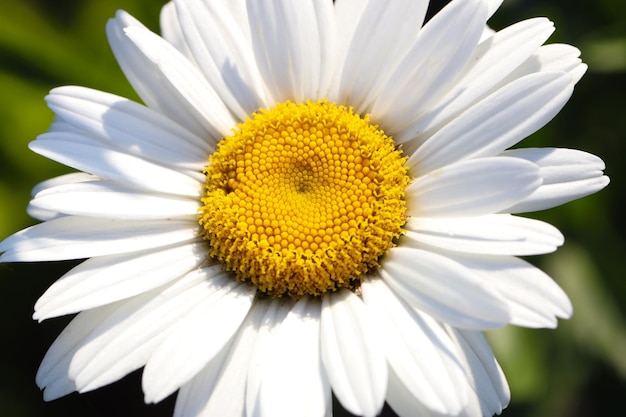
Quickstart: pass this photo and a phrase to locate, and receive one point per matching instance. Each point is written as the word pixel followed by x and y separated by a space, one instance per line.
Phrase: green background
pixel 574 371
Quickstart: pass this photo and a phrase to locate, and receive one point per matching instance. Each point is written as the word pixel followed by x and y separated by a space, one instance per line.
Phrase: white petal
pixel 496 234
pixel 497 122
pixel 472 187
pixel 197 338
pixel 126 339
pixel 533 298
pixel 220 388
pixel 44 214
pixel 85 154
pixel 373 43
pixel 106 279
pixel 130 126
pixel 53 374
pixel 492 61
pixel 73 178
pixel 172 31
pixel 492 6
pixel 273 316
pixel 443 47
pixel 567 174
pixel 222 49
pixel 351 354
pixel 417 350
pixel 166 80
pixel 114 201
pixel 444 289
pixel 483 372
pixel 286 42
pixel 76 237
pixel 292 379
pixel 553 57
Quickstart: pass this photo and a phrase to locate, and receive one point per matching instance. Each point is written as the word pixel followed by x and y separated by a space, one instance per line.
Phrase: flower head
pixel 316 197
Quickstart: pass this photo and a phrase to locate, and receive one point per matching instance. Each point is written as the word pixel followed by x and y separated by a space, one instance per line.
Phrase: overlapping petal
pixel 166 81
pixel 220 44
pixel 364 40
pixel 497 122
pixel 220 388
pixel 482 370
pixel 567 175
pixel 111 200
pixel 107 279
pixel 444 289
pixel 89 155
pixel 129 126
pixel 288 377
pixel 172 364
pixel 472 188
pixel 493 60
pixel 75 237
pixel 354 361
pixel 532 297
pixel 420 354
pixel 288 46
pixel 429 69
pixel 496 234
pixel 103 344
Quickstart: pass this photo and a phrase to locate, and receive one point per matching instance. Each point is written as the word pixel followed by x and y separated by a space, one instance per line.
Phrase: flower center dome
pixel 303 199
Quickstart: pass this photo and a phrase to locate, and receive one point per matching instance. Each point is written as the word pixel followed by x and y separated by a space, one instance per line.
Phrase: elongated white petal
pixel 443 48
pixel 497 122
pixel 75 237
pixel 220 388
pixel 293 382
pixel 552 57
pixel 111 200
pixel 106 279
pixel 496 234
pixel 492 60
pixel 129 126
pixel 443 288
pixel 172 31
pixel 220 314
pixel 286 43
pixel 351 354
pixel 567 174
pixel 277 311
pixel 492 6
pixel 83 154
pixel 45 214
pixel 532 297
pixel 483 372
pixel 73 178
pixel 222 49
pixel 418 351
pixel 362 75
pixel 126 339
pixel 472 188
pixel 166 80
pixel 53 375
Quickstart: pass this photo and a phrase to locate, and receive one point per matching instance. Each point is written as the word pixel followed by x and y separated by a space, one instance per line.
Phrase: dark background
pixel 577 370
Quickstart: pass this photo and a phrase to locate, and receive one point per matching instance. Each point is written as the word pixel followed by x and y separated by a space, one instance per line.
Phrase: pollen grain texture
pixel 303 199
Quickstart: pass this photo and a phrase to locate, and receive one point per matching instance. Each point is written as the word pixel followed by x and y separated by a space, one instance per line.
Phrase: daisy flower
pixel 316 198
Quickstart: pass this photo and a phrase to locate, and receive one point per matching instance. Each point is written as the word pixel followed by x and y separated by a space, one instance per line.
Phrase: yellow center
pixel 303 199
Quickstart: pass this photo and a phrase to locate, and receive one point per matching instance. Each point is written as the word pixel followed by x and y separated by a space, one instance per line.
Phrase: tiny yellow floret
pixel 303 199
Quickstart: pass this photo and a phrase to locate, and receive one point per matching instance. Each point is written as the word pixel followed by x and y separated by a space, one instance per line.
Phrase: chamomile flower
pixel 314 198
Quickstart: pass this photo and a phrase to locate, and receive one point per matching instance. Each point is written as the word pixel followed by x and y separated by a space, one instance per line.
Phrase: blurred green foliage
pixel 577 370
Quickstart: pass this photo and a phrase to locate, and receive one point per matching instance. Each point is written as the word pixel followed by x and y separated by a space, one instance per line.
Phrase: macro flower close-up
pixel 314 199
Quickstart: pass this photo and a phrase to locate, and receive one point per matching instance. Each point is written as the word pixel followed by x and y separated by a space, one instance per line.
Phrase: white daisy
pixel 316 197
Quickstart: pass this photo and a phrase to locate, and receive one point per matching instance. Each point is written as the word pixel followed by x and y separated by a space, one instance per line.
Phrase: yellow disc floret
pixel 303 199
